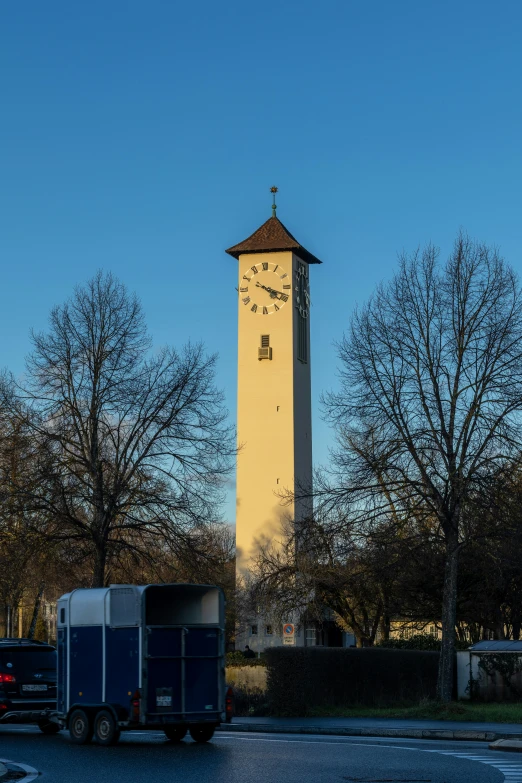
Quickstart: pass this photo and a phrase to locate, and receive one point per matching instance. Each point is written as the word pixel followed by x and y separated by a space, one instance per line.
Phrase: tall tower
pixel 274 419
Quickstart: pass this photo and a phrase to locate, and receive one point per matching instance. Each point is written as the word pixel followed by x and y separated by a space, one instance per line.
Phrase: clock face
pixel 302 291
pixel 265 288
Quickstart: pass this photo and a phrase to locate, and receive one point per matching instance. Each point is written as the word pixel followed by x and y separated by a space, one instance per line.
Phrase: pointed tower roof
pixel 272 237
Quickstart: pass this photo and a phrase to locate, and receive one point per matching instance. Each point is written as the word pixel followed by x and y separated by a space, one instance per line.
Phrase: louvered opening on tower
pixel 265 352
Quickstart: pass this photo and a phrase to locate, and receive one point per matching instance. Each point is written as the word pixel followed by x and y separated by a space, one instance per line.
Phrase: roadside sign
pixel 288 633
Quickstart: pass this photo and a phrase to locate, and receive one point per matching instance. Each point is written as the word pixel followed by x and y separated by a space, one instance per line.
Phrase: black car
pixel 27 683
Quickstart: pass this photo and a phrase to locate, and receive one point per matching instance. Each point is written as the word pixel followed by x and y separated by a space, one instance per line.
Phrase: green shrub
pixel 238 659
pixel 249 702
pixel 302 678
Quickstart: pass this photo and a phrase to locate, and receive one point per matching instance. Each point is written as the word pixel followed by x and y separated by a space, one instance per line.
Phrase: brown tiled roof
pixel 271 237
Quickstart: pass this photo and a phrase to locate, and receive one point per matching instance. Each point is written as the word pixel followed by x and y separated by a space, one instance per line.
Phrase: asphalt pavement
pixel 245 758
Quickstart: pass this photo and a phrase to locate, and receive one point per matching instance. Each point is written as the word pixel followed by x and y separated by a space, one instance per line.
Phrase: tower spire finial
pixel 273 191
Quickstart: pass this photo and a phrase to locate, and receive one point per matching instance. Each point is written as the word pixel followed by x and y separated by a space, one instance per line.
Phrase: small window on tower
pixel 302 340
pixel 303 309
pixel 265 352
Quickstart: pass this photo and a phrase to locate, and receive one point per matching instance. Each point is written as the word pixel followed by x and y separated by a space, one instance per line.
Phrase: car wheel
pixel 175 733
pixel 201 733
pixel 48 727
pixel 80 727
pixel 106 730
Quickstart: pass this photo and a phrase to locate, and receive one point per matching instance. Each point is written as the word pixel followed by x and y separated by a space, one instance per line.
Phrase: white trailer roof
pixel 92 606
pixel 122 605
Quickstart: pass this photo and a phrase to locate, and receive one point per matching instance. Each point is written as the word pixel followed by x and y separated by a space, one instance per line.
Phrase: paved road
pixel 233 758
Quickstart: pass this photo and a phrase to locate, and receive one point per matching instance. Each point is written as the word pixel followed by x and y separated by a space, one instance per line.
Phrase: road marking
pixel 31 772
pixel 512 770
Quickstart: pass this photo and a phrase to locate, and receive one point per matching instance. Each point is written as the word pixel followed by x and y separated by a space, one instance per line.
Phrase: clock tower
pixel 274 418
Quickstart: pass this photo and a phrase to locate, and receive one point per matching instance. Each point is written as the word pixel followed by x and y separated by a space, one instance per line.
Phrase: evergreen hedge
pixel 302 677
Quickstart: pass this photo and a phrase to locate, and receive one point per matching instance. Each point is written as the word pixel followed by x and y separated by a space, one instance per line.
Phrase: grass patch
pixel 430 710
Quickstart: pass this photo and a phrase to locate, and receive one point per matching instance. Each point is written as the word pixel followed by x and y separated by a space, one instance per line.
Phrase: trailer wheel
pixel 106 730
pixel 48 727
pixel 80 727
pixel 175 733
pixel 201 733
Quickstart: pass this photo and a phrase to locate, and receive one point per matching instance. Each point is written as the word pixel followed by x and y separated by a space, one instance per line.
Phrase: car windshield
pixel 25 662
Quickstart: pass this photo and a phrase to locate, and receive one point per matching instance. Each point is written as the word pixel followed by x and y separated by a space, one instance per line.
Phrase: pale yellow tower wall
pixel 274 417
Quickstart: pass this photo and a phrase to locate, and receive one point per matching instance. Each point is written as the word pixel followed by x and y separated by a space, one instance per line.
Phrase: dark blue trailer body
pixel 122 661
pixel 153 656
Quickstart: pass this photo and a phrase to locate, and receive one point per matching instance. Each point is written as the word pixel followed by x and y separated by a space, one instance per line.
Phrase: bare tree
pixel 430 397
pixel 24 546
pixel 320 567
pixel 132 444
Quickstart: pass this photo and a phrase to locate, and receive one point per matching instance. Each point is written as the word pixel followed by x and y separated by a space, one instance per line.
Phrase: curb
pixel 511 745
pixel 342 731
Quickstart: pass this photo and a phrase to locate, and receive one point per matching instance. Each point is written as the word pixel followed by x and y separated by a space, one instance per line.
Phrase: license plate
pixel 34 688
pixel 163 701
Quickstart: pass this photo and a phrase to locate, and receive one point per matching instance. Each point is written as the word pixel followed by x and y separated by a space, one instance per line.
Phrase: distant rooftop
pixel 272 237
pixel 497 646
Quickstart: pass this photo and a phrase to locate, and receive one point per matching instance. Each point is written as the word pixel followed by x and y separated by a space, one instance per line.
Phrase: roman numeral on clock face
pixel 247 278
pixel 287 286
pixel 265 311
pixel 276 307
pixel 284 297
pixel 246 300
pixel 283 276
pixel 265 266
pixel 254 269
pixel 254 308
pixel 242 290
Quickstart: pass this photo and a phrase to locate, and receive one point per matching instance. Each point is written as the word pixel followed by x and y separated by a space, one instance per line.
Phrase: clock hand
pixel 271 291
pixel 260 285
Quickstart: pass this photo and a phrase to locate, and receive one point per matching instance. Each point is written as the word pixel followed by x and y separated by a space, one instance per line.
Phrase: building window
pixel 310 637
pixel 269 630
pixel 302 314
pixel 264 352
pixel 302 340
pixel 253 630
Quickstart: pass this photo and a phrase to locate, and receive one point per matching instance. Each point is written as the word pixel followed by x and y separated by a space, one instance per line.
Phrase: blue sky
pixel 144 137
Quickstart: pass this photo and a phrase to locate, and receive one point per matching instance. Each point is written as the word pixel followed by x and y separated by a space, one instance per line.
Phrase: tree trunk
pixel 385 623
pixel 449 618
pixel 100 563
pixel 500 633
pixel 36 611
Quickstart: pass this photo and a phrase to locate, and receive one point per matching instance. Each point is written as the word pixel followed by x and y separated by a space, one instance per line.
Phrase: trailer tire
pixel 80 727
pixel 201 733
pixel 175 733
pixel 48 727
pixel 106 729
